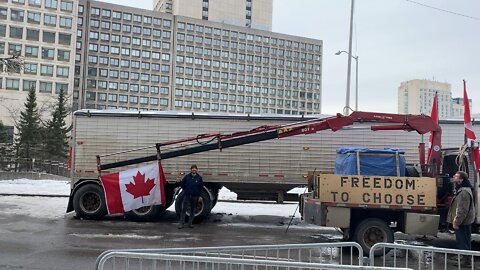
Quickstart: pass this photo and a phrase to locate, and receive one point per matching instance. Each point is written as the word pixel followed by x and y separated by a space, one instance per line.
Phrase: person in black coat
pixel 192 185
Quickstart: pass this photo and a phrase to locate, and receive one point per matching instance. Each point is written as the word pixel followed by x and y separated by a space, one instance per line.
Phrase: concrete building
pixel 457 107
pixel 416 97
pixel 40 33
pixel 249 13
pixel 139 59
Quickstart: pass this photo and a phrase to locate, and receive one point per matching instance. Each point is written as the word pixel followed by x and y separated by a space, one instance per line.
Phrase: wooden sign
pixel 378 190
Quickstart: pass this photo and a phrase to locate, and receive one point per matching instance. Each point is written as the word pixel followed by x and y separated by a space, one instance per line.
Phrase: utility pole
pixel 347 98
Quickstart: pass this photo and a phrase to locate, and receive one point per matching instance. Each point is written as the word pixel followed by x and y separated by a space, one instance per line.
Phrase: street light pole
pixel 347 98
pixel 356 76
pixel 356 81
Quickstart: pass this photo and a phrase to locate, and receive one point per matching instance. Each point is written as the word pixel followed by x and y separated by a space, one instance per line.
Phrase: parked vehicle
pixel 242 154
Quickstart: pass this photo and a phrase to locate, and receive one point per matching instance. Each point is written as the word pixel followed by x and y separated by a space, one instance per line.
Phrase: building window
pixel 46 70
pixel 51 4
pixel 48 37
pixel 50 20
pixel 16 15
pixel 33 17
pixel 31 51
pixel 62 71
pixel 16 32
pixel 66 6
pixel 34 3
pixel 46 87
pixel 27 85
pixel 33 34
pixel 65 22
pixel 64 39
pixel 12 84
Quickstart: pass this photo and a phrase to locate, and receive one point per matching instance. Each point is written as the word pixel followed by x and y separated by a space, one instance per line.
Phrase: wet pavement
pixel 28 242
pixel 33 242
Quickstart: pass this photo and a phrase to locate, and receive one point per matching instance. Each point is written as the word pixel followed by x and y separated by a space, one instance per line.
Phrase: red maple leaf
pixel 141 187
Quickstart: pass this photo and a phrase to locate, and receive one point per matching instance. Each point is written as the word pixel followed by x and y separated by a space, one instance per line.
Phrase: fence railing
pixel 35 165
pixel 422 257
pixel 340 254
pixel 134 260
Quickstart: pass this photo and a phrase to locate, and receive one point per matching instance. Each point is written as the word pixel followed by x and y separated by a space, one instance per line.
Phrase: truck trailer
pixel 242 153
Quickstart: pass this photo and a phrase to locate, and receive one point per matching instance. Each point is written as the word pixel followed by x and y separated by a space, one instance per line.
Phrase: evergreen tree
pixel 29 128
pixel 56 143
pixel 3 134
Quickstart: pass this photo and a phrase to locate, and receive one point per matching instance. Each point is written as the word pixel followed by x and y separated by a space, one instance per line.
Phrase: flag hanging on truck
pixel 134 188
pixel 434 116
pixel 469 133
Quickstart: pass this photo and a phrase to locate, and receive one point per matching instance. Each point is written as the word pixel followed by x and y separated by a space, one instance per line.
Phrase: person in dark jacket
pixel 461 213
pixel 192 186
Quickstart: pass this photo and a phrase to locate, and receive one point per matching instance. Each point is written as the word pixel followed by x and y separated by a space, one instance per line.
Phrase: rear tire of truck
pixel 89 202
pixel 371 231
pixel 204 206
pixel 146 213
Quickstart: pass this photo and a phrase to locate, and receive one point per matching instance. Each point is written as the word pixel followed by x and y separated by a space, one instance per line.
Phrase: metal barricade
pixel 121 260
pixel 341 254
pixel 422 257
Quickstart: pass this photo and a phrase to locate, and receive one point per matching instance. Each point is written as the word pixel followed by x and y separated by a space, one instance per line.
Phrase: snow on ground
pixel 36 206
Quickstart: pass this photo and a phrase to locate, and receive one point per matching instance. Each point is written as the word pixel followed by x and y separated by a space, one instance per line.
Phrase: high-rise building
pixel 40 33
pixel 249 13
pixel 139 59
pixel 416 97
pixel 109 56
pixel 457 107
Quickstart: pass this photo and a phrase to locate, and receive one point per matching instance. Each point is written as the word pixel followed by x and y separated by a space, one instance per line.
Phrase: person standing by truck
pixel 192 185
pixel 461 213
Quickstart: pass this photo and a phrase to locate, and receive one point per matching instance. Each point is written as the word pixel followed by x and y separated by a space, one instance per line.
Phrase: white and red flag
pixel 434 116
pixel 469 133
pixel 134 188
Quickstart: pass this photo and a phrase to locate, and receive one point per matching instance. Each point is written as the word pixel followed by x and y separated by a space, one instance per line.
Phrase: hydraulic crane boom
pixel 420 123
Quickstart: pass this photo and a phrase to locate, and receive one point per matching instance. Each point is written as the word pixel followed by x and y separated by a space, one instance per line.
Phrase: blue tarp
pixel 372 161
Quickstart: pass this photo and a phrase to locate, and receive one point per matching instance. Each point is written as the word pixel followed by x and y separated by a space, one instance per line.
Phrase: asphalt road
pixel 30 242
pixel 27 242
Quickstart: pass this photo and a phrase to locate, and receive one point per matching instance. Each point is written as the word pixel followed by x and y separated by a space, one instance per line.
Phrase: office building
pixel 416 97
pixel 40 33
pixel 248 13
pixel 458 108
pixel 139 59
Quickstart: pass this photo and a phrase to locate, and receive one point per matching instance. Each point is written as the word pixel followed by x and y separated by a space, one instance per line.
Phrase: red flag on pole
pixel 469 133
pixel 434 116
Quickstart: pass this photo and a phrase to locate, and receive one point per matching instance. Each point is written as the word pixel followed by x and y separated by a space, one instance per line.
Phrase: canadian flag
pixel 434 116
pixel 469 133
pixel 134 188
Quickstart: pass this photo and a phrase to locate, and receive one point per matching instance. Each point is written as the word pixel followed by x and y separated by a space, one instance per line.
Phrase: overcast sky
pixel 395 40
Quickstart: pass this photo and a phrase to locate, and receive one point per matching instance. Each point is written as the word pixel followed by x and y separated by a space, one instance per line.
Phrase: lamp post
pixel 356 76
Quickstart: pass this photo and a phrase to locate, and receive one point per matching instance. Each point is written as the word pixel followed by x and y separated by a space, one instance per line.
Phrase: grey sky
pixel 395 40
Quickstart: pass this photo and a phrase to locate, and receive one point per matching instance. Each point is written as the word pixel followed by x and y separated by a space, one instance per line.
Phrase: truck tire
pixel 371 231
pixel 146 213
pixel 89 202
pixel 204 206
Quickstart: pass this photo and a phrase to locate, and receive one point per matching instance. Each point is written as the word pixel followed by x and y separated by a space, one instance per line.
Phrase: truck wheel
pixel 89 202
pixel 215 197
pixel 204 206
pixel 146 213
pixel 371 231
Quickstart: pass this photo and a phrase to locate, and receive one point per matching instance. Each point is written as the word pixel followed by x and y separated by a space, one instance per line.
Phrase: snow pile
pixel 37 187
pixel 55 207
